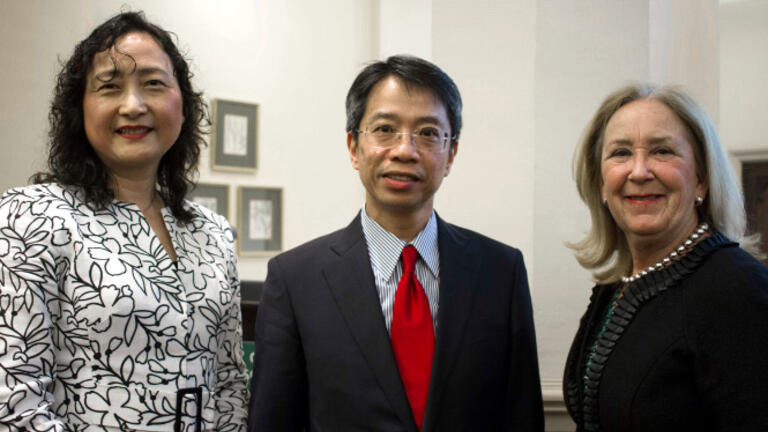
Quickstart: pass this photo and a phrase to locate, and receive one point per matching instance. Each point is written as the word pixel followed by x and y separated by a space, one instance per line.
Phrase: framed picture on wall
pixel 259 220
pixel 234 136
pixel 214 197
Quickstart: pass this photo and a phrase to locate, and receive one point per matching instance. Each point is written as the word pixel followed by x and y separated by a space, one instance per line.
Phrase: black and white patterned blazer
pixel 100 330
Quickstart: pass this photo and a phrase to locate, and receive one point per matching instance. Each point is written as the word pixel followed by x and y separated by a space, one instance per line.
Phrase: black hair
pixel 413 71
pixel 71 158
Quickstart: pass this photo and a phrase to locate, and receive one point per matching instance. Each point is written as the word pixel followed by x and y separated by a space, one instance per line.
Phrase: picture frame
pixel 259 220
pixel 752 167
pixel 214 197
pixel 234 136
pixel 755 187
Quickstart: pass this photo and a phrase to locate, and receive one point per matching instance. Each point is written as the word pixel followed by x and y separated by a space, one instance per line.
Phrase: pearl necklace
pixel 693 239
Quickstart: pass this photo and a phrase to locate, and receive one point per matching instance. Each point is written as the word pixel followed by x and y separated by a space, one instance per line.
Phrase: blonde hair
pixel 604 249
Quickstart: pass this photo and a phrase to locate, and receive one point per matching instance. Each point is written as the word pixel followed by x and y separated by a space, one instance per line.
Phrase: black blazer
pixel 692 356
pixel 323 359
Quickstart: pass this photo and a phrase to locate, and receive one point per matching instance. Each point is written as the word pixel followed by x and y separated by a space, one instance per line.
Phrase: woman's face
pixel 649 174
pixel 132 106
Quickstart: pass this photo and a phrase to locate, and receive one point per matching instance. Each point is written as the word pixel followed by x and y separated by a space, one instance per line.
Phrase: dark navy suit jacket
pixel 323 359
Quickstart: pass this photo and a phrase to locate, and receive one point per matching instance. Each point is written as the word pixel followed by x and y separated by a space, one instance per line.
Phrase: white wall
pixel 26 82
pixel 577 65
pixel 744 75
pixel 684 48
pixel 488 47
pixel 401 27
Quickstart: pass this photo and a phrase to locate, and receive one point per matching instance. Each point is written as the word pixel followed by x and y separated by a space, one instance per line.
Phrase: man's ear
pixel 352 148
pixel 451 154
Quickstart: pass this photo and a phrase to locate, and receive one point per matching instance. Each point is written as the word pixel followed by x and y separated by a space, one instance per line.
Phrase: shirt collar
pixel 385 248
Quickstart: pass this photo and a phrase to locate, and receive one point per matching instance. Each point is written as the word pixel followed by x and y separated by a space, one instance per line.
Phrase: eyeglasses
pixel 429 139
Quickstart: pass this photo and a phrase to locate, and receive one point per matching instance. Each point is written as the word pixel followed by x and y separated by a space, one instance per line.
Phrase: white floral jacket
pixel 100 330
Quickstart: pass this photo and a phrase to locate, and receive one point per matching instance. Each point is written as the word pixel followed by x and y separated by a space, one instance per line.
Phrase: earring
pixel 699 201
pixel 605 202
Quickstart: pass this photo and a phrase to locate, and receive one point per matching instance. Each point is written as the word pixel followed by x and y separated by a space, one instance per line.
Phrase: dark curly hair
pixel 72 160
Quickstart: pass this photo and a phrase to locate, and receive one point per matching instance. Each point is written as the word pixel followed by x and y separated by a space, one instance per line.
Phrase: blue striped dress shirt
pixel 384 250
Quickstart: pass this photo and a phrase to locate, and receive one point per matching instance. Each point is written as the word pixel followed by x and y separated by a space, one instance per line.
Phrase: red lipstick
pixel 132 132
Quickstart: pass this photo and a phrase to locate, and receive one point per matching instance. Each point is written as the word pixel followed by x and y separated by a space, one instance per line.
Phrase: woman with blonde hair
pixel 674 335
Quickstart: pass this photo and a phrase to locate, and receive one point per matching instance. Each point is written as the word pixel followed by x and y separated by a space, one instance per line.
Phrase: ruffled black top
pixel 606 320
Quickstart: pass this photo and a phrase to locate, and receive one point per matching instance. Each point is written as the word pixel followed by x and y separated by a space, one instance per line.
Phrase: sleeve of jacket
pixel 279 383
pixel 231 390
pixel 728 311
pixel 524 404
pixel 28 296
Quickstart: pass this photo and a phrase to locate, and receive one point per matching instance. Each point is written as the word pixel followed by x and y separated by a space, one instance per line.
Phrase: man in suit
pixel 400 321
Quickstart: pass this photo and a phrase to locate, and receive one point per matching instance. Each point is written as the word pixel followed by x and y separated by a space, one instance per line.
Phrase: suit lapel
pixel 457 273
pixel 351 282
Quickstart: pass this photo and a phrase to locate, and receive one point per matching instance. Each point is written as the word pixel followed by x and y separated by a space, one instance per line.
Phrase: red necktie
pixel 413 338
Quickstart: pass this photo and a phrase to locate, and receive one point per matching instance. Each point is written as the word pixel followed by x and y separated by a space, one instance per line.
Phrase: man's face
pixel 400 179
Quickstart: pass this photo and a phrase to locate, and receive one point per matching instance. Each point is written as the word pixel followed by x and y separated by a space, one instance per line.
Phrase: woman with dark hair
pixel 119 300
pixel 674 338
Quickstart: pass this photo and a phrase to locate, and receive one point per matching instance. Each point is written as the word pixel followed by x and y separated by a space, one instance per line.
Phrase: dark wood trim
pixel 250 292
pixel 754 176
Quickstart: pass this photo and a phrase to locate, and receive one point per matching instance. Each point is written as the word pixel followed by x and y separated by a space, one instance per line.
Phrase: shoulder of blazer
pixel 453 237
pixel 334 244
